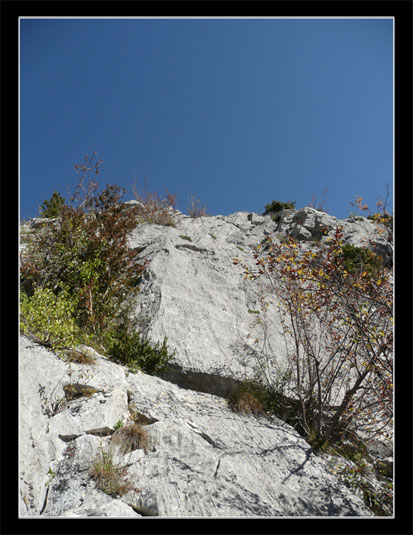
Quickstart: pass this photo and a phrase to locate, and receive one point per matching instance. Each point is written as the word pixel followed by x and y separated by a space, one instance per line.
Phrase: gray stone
pixel 194 295
pixel 202 460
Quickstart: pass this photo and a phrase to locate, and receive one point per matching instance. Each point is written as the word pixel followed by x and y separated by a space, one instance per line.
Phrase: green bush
pixel 277 206
pixel 49 319
pixel 51 207
pixel 137 351
pixel 358 259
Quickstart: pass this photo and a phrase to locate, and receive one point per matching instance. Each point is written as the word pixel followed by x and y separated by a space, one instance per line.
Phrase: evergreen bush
pixel 359 259
pixel 51 207
pixel 277 206
pixel 137 351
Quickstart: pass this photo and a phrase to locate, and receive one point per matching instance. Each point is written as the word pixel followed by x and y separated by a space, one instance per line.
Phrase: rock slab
pixel 202 460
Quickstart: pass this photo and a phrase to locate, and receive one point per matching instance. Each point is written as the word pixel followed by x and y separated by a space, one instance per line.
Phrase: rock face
pixel 194 295
pixel 202 459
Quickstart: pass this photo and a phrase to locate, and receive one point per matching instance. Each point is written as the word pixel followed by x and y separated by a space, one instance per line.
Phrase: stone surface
pixel 194 295
pixel 202 459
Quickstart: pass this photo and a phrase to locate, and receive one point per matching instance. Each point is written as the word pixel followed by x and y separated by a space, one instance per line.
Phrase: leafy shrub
pixel 254 396
pixel 378 498
pixel 247 397
pixel 85 254
pixel 386 219
pixel 275 207
pixel 338 329
pixel 51 207
pixel 118 425
pixel 49 319
pixel 135 350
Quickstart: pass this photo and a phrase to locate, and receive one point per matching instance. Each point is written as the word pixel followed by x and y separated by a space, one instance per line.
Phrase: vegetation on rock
pixel 51 207
pixel 338 326
pixel 276 207
pixel 136 351
pixel 49 319
pixel 196 209
pixel 152 208
pixel 77 273
pixel 109 476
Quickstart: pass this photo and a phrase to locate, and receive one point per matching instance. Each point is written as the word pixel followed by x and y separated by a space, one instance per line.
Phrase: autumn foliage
pixel 338 326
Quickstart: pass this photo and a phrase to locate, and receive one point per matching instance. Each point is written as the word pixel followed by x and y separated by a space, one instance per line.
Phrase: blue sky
pixel 235 112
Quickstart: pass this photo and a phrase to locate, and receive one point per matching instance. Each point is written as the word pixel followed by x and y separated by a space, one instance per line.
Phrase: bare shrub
pixel 338 327
pixel 131 437
pixel 195 208
pixel 246 398
pixel 109 476
pixel 155 209
pixel 319 205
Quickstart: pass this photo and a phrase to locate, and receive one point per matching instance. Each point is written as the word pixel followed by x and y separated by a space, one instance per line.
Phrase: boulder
pixel 201 459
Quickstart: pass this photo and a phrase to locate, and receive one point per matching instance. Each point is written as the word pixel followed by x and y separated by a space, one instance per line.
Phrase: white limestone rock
pixel 194 295
pixel 202 459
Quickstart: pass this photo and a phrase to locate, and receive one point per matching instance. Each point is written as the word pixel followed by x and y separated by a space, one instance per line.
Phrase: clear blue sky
pixel 236 112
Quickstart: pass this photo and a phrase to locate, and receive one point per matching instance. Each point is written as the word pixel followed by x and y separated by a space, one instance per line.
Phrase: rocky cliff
pixel 182 451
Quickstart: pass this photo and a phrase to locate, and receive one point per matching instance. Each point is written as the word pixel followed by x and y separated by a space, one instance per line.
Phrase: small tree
pixel 338 328
pixel 51 207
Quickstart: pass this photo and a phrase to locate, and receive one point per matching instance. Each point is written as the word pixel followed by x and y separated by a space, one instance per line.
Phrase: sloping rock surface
pixel 194 295
pixel 201 460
